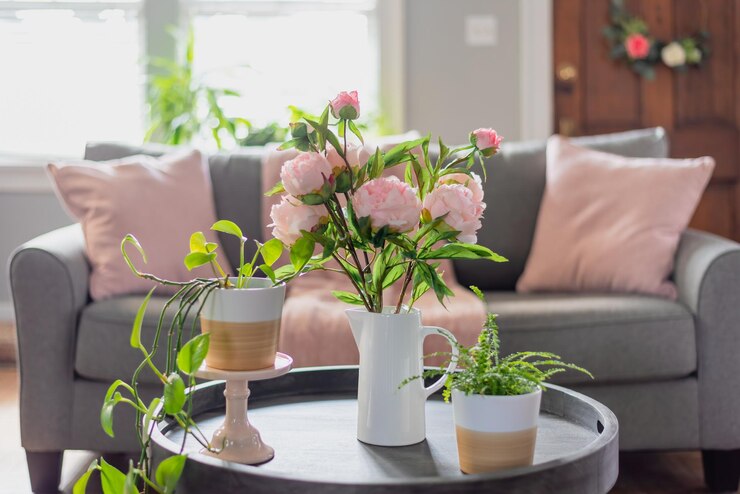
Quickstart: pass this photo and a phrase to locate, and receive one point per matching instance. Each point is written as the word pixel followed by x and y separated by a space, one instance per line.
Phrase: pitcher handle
pixel 429 330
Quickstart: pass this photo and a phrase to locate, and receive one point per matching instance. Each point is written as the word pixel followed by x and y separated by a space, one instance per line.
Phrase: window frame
pixel 156 16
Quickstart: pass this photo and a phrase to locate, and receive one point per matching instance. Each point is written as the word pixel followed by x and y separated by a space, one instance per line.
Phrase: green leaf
pixel 81 485
pixel 301 252
pixel 174 393
pixel 169 471
pixel 271 251
pixel 399 154
pixel 394 274
pixel 198 242
pixel 246 270
pixel 463 251
pixel 135 339
pixel 228 227
pixel 111 478
pixel 129 486
pixel 376 165
pixel 355 131
pixel 284 272
pixel 347 297
pixel 379 271
pixel 193 353
pixel 312 199
pixel 106 414
pixel 197 259
pixel 268 272
pixel 150 415
pixel 277 189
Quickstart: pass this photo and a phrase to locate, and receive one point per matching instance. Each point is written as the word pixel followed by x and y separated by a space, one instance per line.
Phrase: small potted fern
pixel 496 400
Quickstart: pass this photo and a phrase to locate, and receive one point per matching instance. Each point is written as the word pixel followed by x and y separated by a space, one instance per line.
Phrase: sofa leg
pixel 45 471
pixel 721 469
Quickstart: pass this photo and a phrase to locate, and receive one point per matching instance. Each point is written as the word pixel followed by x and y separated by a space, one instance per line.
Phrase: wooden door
pixel 700 108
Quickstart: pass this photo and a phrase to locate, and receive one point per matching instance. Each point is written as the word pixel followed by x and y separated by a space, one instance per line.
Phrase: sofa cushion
pixel 619 338
pixel 103 351
pixel 513 190
pixel 236 177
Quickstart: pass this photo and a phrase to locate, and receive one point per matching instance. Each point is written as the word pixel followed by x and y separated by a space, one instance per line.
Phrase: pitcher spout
pixel 356 323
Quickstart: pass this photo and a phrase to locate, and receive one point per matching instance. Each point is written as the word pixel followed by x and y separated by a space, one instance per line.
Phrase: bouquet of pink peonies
pixel 378 228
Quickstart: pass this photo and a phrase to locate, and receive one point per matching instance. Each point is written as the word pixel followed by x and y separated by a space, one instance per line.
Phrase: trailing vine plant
pixel 630 41
pixel 185 352
pixel 482 370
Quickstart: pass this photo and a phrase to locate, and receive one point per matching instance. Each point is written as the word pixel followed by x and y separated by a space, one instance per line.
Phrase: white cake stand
pixel 237 440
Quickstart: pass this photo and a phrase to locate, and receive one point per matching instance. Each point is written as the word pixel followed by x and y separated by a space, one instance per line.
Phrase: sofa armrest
pixel 49 285
pixel 707 274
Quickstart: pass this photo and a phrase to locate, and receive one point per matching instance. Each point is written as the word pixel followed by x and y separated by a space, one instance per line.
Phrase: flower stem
pixel 406 281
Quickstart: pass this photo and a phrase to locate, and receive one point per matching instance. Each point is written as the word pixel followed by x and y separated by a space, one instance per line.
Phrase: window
pixel 74 71
pixel 269 51
pixel 70 72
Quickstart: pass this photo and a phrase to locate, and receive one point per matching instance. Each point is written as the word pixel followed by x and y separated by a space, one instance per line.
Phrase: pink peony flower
pixel 356 156
pixel 305 174
pixel 388 202
pixel 290 216
pixel 346 105
pixel 472 182
pixel 637 46
pixel 462 210
pixel 486 140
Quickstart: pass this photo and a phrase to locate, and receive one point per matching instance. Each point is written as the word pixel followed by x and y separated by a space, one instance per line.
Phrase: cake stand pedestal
pixel 237 440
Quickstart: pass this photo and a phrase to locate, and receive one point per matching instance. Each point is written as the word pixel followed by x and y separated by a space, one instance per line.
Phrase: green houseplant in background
pixel 182 107
pixel 496 400
pixel 185 352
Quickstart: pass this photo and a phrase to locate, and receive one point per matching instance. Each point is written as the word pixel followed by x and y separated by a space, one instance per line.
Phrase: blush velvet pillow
pixel 161 201
pixel 609 223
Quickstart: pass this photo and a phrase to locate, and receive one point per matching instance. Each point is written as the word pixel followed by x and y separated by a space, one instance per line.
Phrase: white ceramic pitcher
pixel 391 350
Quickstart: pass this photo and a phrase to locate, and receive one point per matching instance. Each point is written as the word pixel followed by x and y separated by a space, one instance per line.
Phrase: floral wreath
pixel 630 40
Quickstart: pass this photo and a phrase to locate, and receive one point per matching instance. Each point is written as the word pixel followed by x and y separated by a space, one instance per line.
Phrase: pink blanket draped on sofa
pixel 315 330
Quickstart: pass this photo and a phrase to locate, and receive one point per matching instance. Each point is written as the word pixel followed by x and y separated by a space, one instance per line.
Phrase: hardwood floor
pixel 640 473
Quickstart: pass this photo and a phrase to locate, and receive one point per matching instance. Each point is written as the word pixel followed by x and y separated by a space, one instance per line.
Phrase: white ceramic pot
pixel 391 350
pixel 495 432
pixel 244 324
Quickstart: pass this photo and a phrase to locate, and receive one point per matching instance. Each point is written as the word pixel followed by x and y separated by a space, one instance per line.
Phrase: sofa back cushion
pixel 236 178
pixel 513 191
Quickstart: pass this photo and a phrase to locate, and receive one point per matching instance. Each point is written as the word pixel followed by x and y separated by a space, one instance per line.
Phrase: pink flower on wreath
pixel 463 211
pixel 290 216
pixel 388 202
pixel 472 182
pixel 346 105
pixel 305 174
pixel 637 46
pixel 486 140
pixel 356 156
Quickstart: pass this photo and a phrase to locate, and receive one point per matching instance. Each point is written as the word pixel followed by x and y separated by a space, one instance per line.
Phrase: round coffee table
pixel 309 417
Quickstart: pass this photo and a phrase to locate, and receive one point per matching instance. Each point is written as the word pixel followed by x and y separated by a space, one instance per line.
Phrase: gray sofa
pixel 667 369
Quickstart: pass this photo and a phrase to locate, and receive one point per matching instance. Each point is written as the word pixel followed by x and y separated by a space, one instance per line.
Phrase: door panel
pixel 699 108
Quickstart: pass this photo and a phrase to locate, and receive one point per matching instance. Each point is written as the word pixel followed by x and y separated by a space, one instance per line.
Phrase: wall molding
pixel 535 69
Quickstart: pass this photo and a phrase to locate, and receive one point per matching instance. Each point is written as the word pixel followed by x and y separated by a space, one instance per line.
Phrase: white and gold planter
pixel 244 324
pixel 495 432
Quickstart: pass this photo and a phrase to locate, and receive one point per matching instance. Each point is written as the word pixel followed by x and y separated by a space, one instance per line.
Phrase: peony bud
pixel 346 105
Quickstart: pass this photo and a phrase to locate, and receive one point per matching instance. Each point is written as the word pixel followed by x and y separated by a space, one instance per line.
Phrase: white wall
pixel 452 88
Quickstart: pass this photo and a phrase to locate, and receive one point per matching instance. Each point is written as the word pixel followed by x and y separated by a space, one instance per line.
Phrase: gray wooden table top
pixel 309 417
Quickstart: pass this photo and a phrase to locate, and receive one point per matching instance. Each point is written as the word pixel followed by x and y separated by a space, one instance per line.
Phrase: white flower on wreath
pixel 673 55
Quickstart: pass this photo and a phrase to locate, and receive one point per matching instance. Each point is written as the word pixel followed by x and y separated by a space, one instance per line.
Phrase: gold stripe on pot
pixel 481 452
pixel 241 346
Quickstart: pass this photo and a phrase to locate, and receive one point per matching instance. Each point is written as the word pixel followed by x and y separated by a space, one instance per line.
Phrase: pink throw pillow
pixel 160 201
pixel 609 223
